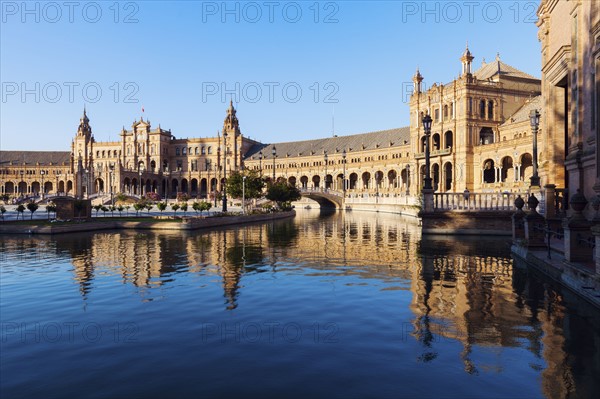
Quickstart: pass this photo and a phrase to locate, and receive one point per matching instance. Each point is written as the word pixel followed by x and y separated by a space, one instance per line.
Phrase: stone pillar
pixel 596 233
pixel 549 200
pixel 518 227
pixel 534 222
pixel 575 227
pixel 427 200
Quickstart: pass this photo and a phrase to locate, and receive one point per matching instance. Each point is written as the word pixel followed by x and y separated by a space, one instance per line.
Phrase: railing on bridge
pixel 321 190
pixel 402 199
pixel 469 201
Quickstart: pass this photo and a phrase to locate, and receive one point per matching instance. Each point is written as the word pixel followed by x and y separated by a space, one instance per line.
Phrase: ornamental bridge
pixel 325 197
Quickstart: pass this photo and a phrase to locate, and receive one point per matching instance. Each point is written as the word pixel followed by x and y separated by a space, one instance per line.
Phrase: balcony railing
pixel 477 201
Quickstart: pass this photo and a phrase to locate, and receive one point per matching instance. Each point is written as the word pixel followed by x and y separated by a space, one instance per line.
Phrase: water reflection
pixel 463 291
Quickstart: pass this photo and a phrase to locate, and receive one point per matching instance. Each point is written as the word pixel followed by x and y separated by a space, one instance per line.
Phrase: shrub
pixel 153 197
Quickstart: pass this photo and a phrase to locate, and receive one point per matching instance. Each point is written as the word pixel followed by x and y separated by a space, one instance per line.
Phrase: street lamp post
pixel 111 172
pixel 224 171
pixel 344 172
pixel 427 128
pixel 140 172
pixel 42 188
pixel 86 183
pixel 260 158
pixel 208 185
pixel 244 195
pixel 214 189
pixel 534 119
pixel 325 158
pixel 407 179
pixel 22 181
pixel 274 152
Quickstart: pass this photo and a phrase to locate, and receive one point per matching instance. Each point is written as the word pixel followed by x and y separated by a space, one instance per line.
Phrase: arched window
pixel 445 112
pixel 196 150
pixel 435 141
pixel 184 151
pixel 203 150
pixel 482 109
pixel 209 149
pixel 176 150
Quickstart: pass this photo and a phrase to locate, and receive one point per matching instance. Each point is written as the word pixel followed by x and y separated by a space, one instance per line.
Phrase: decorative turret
pixel 417 79
pixel 466 60
pixel 84 128
pixel 231 124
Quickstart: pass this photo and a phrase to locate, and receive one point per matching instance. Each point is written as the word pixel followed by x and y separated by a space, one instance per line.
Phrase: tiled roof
pixel 34 157
pixel 498 67
pixel 356 142
pixel 522 113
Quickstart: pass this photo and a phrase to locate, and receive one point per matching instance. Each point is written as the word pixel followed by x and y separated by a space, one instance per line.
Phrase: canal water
pixel 325 305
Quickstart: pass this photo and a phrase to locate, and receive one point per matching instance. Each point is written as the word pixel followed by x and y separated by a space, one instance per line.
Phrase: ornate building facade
pixel 481 138
pixel 569 32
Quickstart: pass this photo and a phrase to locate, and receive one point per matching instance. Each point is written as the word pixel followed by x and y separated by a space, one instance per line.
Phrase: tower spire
pixel 466 60
pixel 417 79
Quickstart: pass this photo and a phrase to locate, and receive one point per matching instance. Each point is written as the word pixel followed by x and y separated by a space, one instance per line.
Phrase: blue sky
pixel 288 66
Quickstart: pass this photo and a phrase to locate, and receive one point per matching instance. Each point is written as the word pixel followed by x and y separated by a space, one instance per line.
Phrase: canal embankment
pixel 579 278
pixel 165 223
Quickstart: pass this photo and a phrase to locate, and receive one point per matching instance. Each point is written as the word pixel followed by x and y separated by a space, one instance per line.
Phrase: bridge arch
pixel 329 199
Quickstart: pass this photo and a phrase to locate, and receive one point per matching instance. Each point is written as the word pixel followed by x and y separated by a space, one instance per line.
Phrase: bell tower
pixel 83 156
pixel 231 130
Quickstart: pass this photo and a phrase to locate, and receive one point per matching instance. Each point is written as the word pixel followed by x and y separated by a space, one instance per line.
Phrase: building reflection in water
pixel 463 289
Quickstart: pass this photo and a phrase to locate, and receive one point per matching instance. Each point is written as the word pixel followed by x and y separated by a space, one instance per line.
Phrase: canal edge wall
pixel 583 283
pixel 187 224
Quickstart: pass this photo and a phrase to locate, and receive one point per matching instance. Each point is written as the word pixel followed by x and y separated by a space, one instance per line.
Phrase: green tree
pixel 252 188
pixel 149 207
pixel 104 209
pixel 2 211
pixel 184 207
pixel 161 206
pixel 283 194
pixel 196 207
pixel 127 207
pixel 205 206
pixel 120 209
pixel 32 206
pixel 97 208
pixel 175 206
pixel 51 207
pixel 112 210
pixel 20 210
pixel 138 206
